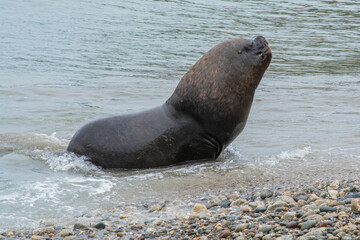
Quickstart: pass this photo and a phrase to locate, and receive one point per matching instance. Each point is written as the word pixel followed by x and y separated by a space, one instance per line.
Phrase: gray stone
pixel 355 204
pixel 308 224
pixel 327 209
pixel 241 227
pixel 352 188
pixel 300 214
pixel 286 237
pixel 314 234
pixel 288 216
pixel 292 224
pixel 43 231
pixel 156 207
pixel 277 204
pixel 265 228
pixel 224 203
pixel 65 233
pixel 79 226
pixel 289 200
pixel 225 233
pixel 269 236
pixel 99 226
pixel 266 193
pixel 260 209
pixel 238 202
pixel 310 206
pixel 333 194
pixel 301 197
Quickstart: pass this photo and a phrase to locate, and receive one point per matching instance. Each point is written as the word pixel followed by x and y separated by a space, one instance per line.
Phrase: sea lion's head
pixel 219 88
pixel 229 72
pixel 258 51
pixel 247 60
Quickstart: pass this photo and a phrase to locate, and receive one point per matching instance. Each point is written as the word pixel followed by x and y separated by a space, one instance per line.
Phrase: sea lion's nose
pixel 261 41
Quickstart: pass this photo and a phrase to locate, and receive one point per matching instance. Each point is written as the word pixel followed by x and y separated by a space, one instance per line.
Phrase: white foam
pixel 50 140
pixel 230 151
pixel 91 185
pixel 35 141
pixel 50 149
pixel 63 162
pixel 289 156
pixel 45 190
pixel 146 176
pixel 294 154
pixel 69 162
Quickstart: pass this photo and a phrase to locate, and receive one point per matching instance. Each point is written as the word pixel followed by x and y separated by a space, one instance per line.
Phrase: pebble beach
pixel 293 173
pixel 283 209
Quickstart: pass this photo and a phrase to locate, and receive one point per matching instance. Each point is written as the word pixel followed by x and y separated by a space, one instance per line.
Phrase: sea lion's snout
pixel 261 41
pixel 262 48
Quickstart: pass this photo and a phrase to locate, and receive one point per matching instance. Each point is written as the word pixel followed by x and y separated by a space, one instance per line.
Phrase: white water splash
pixel 289 156
pixel 294 154
pixel 50 140
pixel 51 150
pixel 67 162
pixel 34 141
pixel 231 152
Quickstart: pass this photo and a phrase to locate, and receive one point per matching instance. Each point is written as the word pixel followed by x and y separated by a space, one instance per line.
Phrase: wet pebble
pixel 288 216
pixel 199 208
pixel 80 226
pixel 292 224
pixel 265 228
pixel 100 225
pixel 65 233
pixel 241 227
pixel 277 204
pixel 260 209
pixel 225 234
pixel 308 224
pixel 43 231
pixel 300 214
pixel 315 215
pixel 238 202
pixel 156 207
pixel 266 194
pixel 224 203
pixel 355 204
pixel 327 209
pixel 333 194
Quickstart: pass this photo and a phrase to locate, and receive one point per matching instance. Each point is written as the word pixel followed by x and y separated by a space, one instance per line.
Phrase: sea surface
pixel 64 63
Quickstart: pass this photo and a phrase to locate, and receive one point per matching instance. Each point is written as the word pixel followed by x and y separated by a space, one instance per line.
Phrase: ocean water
pixel 65 63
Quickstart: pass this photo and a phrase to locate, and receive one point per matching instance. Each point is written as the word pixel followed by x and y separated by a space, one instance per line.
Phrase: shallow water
pixel 63 64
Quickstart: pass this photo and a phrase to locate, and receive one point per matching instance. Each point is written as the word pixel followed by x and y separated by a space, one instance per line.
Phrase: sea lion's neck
pixel 222 117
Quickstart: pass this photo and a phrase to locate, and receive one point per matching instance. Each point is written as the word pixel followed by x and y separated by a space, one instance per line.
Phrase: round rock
pixel 266 193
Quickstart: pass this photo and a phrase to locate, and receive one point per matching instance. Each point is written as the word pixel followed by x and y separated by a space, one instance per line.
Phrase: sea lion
pixel 206 112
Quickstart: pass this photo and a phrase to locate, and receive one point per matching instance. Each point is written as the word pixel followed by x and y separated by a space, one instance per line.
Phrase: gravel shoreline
pixel 320 209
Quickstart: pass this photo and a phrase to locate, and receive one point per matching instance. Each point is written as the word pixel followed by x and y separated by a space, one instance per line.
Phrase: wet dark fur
pixel 207 110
